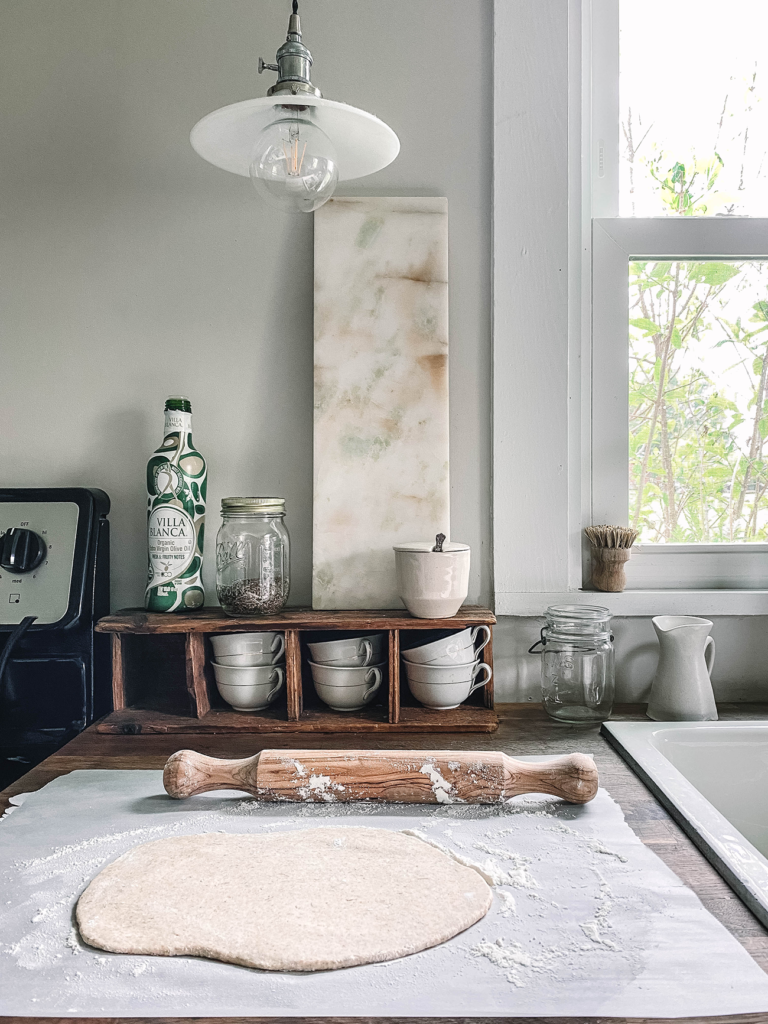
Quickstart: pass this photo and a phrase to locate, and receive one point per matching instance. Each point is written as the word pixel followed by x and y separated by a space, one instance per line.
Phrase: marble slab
pixel 381 392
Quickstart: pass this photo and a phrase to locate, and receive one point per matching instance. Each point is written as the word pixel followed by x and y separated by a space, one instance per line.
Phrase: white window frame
pixel 557 450
pixel 615 242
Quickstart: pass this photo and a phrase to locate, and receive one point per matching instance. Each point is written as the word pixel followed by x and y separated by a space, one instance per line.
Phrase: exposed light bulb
pixel 294 165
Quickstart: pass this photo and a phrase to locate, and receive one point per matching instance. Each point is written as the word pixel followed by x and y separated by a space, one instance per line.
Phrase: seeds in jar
pixel 247 596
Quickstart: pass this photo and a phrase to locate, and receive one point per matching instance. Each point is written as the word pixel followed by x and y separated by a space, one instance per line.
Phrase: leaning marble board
pixel 585 920
pixel 381 392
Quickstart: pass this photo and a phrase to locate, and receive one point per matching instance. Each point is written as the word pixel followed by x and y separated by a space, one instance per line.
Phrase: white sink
pixel 713 779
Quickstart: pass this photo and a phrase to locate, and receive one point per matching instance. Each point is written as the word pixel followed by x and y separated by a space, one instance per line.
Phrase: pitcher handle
pixel 709 653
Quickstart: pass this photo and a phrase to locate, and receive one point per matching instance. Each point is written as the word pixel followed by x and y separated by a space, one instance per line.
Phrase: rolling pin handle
pixel 573 778
pixel 187 773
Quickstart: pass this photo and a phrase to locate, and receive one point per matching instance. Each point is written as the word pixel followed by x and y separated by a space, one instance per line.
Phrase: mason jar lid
pixel 253 506
pixel 581 613
pixel 577 622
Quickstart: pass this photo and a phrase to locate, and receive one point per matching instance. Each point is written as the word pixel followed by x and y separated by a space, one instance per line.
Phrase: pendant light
pixel 294 144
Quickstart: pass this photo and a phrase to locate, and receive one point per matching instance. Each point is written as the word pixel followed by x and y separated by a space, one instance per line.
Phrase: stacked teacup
pixel 249 668
pixel 442 673
pixel 347 673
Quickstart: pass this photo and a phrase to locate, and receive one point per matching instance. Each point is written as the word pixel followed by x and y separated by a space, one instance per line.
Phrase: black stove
pixel 55 676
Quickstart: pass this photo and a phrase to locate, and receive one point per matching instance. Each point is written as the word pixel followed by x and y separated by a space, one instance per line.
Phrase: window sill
pixel 642 602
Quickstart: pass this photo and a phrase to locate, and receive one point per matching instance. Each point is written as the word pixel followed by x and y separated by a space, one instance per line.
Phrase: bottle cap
pixel 178 403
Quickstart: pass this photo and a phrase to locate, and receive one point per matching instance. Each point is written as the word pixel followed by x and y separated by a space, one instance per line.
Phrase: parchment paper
pixel 585 921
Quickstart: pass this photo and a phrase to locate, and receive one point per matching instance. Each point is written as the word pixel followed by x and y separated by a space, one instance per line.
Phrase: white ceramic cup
pixel 249 688
pixel 432 584
pixel 248 649
pixel 354 652
pixel 442 687
pixel 347 689
pixel 457 649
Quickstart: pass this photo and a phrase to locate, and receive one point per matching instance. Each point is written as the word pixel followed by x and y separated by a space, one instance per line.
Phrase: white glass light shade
pixel 294 165
pixel 363 143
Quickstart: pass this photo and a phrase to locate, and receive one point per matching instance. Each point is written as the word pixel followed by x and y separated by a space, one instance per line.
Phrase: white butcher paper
pixel 585 920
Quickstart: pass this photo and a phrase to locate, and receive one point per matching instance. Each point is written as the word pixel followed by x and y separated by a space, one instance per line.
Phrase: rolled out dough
pixel 311 900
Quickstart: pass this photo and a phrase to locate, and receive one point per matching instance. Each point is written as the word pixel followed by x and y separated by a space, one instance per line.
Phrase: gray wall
pixel 131 269
pixel 740 671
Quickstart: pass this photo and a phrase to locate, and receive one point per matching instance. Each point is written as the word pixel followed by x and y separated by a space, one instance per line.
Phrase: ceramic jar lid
pixel 427 545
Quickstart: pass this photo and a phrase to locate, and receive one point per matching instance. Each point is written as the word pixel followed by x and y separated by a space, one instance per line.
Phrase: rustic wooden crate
pixel 162 679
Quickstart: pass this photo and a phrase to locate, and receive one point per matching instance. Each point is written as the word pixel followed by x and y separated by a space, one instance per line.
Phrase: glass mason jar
pixel 577 679
pixel 253 564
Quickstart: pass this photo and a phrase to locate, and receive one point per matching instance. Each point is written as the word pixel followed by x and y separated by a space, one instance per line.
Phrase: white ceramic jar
pixel 432 584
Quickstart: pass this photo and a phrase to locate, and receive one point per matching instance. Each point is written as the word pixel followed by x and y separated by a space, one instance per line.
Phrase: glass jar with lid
pixel 577 664
pixel 252 556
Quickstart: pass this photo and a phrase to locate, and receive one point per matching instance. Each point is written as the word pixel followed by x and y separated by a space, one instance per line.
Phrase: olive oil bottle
pixel 176 488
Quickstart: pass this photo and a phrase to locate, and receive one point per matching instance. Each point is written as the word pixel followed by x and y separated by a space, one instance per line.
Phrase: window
pixel 698 407
pixel 680 291
pixel 693 108
pixel 631 300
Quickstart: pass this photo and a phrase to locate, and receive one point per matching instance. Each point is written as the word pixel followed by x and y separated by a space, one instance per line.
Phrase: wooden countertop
pixel 523 729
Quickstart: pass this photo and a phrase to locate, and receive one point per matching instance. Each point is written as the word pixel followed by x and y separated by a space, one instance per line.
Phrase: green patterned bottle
pixel 176 487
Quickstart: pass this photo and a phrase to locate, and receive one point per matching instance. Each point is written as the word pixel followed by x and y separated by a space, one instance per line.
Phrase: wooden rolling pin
pixel 395 776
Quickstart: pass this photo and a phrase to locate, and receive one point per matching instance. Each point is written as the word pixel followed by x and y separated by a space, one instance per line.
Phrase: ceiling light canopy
pixel 294 144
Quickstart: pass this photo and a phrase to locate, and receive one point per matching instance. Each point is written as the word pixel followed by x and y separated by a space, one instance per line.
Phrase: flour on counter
pixel 519 874
pixel 600 923
pixel 517 963
pixel 596 845
pixel 67 851
pixel 73 941
pixel 506 903
pixel 489 869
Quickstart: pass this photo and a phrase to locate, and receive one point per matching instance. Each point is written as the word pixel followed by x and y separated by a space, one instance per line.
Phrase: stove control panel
pixel 21 550
pixel 37 549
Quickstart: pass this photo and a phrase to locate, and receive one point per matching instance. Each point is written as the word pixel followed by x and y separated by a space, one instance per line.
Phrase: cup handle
pixel 377 676
pixel 476 632
pixel 476 672
pixel 278 642
pixel 368 648
pixel 709 653
pixel 280 680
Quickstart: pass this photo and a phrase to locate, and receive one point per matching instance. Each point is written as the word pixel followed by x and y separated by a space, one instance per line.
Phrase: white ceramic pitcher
pixel 682 688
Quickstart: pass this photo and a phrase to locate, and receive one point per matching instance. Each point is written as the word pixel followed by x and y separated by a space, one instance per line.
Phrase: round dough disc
pixel 312 900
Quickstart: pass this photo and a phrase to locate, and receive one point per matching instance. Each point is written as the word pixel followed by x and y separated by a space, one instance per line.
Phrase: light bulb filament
pixel 293 162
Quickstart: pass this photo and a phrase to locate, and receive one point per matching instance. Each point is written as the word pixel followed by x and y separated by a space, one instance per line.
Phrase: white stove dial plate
pixel 45 591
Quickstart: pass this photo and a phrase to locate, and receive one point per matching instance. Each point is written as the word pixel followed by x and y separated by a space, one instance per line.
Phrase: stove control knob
pixel 21 550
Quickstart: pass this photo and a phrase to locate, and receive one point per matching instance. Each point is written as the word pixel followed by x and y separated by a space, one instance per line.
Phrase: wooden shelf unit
pixel 162 677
